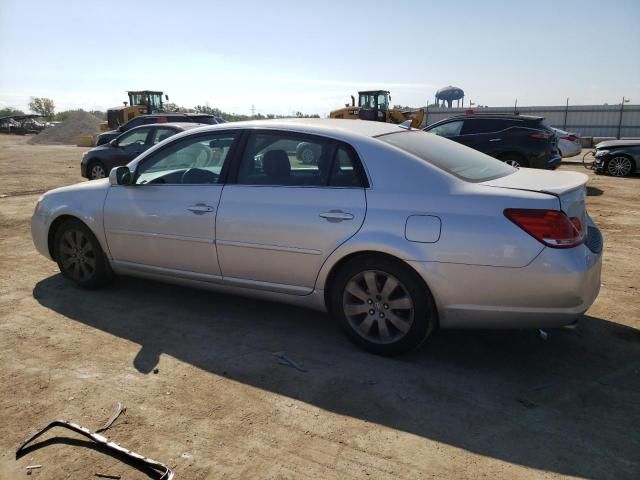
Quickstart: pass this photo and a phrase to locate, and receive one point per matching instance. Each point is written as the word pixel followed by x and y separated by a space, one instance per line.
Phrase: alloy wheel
pixel 619 166
pixel 77 255
pixel 97 171
pixel 307 156
pixel 378 307
pixel 513 163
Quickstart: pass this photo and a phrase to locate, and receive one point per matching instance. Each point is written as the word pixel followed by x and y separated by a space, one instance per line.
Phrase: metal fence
pixel 585 120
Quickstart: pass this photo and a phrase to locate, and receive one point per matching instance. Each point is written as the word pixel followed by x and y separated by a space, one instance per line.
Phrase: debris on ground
pixel 77 124
pixel 163 471
pixel 120 408
pixel 284 360
pixel 107 475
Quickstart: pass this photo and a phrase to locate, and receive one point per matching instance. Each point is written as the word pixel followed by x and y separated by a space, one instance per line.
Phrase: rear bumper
pixel 554 290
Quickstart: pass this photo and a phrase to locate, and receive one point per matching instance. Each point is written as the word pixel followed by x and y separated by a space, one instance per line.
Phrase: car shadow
pixel 594 191
pixel 569 403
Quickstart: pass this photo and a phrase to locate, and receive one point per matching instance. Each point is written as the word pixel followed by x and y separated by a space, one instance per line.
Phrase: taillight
pixel 571 138
pixel 551 227
pixel 540 136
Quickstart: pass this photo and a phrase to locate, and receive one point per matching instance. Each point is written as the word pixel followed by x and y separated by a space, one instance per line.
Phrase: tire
pixel 96 170
pixel 358 289
pixel 620 166
pixel 307 155
pixel 80 256
pixel 515 160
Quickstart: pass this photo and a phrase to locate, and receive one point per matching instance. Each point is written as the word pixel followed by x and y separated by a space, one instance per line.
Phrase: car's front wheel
pixel 96 170
pixel 382 304
pixel 620 166
pixel 80 256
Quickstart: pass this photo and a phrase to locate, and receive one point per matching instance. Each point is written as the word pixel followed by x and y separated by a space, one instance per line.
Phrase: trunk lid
pixel 569 187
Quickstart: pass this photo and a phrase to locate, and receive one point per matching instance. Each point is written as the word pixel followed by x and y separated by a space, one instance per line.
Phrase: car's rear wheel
pixel 620 166
pixel 80 256
pixel 382 304
pixel 96 170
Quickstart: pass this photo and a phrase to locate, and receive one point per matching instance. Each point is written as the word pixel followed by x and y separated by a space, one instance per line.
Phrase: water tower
pixel 448 95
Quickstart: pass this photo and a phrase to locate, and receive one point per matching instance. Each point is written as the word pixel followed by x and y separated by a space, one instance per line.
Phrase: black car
pixel 619 158
pixel 98 162
pixel 519 140
pixel 106 137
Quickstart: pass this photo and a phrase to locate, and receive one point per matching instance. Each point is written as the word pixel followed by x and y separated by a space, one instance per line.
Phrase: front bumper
pixel 554 290
pixel 39 234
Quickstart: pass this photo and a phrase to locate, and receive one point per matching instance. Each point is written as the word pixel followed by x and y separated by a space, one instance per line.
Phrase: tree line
pixel 45 107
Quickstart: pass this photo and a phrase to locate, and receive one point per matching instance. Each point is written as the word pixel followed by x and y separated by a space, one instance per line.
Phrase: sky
pixel 286 56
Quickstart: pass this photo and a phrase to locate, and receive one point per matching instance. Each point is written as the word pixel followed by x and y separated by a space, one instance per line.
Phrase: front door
pixel 282 218
pixel 166 218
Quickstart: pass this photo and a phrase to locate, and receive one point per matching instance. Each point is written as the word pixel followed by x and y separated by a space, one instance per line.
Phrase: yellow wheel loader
pixel 374 105
pixel 141 102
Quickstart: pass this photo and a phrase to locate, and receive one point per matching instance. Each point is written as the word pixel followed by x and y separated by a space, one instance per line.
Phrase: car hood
pixel 82 188
pixel 618 143
pixel 100 148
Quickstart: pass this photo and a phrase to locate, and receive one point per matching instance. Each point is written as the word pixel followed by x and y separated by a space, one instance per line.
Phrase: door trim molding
pixel 135 233
pixel 262 246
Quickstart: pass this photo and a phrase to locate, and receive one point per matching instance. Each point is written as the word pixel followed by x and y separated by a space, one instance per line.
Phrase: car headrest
pixel 275 164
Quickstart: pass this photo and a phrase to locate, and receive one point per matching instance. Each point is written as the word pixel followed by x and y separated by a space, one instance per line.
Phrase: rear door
pixel 486 135
pixel 281 218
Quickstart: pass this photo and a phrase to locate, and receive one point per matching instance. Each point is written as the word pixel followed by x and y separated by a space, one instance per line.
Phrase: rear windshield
pixel 456 159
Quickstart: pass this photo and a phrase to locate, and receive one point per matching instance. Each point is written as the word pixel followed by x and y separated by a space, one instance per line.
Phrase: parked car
pixel 176 117
pixel 568 143
pixel 619 158
pixel 519 140
pixel 394 231
pixel 98 162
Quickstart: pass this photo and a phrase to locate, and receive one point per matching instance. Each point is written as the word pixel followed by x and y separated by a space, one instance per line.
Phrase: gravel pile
pixel 78 123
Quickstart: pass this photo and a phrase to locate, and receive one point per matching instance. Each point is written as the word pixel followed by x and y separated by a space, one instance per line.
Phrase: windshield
pixel 456 159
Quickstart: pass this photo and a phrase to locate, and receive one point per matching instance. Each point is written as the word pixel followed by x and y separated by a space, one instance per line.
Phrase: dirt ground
pixel 205 394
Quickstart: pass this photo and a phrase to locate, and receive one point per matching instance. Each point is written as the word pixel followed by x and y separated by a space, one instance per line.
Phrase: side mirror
pixel 114 142
pixel 120 176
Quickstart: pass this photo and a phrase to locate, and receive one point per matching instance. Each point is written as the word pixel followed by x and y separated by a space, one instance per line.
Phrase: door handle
pixel 336 216
pixel 200 208
pixel 495 139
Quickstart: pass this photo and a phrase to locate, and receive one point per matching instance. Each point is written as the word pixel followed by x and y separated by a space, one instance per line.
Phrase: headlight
pixel 601 153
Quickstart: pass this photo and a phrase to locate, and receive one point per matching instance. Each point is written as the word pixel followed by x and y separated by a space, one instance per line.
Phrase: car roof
pixel 509 116
pixel 178 125
pixel 319 126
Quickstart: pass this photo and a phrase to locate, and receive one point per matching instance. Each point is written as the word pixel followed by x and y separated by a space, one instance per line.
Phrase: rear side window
pixel 483 125
pixel 465 163
pixel 290 159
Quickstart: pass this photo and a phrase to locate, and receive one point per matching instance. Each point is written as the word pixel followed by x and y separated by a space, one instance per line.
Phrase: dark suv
pixel 519 140
pixel 106 137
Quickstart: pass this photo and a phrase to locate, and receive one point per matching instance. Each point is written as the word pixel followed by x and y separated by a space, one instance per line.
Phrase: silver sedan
pixel 393 231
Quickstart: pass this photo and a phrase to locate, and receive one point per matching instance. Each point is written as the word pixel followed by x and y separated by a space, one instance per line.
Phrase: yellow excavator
pixel 374 105
pixel 141 102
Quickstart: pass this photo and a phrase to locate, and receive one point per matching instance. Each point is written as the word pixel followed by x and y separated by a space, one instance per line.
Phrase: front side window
pixel 191 161
pixel 451 129
pixel 138 136
pixel 162 133
pixel 290 159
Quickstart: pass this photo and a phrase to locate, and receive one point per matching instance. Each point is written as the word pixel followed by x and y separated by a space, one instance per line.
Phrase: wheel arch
pixel 329 277
pixel 55 225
